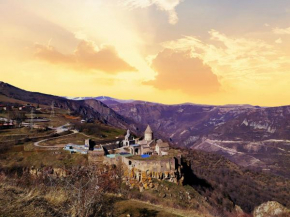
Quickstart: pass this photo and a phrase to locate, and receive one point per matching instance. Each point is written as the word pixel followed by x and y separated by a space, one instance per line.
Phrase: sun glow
pixel 160 51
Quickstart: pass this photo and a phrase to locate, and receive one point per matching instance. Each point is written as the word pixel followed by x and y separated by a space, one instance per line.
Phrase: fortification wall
pixel 144 170
pixel 95 156
pixel 151 165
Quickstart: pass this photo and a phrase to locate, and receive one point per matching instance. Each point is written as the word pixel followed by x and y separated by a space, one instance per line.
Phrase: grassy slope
pixel 5 99
pixel 35 202
pixel 27 202
pixel 137 208
pixel 18 157
pixel 28 155
pixel 77 138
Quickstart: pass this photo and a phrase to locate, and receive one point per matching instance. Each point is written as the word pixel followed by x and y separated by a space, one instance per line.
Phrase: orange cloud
pixel 86 56
pixel 178 70
pixel 50 54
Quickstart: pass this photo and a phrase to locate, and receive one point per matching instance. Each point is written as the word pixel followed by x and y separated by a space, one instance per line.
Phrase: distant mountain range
pixel 251 136
pixel 110 100
pixel 106 99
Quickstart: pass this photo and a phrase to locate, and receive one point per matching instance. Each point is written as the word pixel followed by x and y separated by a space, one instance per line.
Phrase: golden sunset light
pixel 167 51
pixel 134 108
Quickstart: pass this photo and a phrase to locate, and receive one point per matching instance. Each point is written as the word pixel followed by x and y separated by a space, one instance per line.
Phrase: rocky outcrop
pixel 143 177
pixel 271 209
pixel 144 180
pixel 54 172
pixel 142 172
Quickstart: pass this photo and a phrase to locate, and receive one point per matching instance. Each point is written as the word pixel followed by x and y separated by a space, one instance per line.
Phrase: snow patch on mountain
pixel 100 98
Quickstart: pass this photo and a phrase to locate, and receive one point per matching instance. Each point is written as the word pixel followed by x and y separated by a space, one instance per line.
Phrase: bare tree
pixel 87 187
pixel 18 116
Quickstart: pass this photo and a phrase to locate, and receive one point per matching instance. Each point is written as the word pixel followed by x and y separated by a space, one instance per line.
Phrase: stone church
pixel 147 146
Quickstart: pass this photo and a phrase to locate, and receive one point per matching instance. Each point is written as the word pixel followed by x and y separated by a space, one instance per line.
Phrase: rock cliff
pixel 271 209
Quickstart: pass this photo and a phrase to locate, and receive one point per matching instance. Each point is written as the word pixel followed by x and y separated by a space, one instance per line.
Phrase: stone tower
pixel 148 136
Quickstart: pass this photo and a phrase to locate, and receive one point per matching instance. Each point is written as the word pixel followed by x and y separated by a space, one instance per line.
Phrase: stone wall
pixel 95 156
pixel 141 172
pixel 151 165
pixel 111 161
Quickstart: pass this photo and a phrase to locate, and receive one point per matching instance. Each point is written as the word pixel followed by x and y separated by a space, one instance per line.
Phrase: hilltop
pixel 87 109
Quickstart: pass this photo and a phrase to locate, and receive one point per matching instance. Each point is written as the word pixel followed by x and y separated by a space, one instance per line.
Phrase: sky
pixel 167 51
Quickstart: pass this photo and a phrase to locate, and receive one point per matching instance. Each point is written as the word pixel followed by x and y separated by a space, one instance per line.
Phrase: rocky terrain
pixel 251 136
pixel 271 209
pixel 220 179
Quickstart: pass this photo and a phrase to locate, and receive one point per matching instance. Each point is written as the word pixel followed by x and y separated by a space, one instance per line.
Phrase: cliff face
pixel 144 179
pixel 142 172
pixel 184 124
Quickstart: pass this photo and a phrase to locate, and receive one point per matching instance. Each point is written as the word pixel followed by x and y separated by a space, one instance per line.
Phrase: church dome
pixel 148 130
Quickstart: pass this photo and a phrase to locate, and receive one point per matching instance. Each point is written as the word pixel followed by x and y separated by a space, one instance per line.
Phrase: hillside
pixel 87 109
pixel 251 136
pixel 220 179
pixel 213 185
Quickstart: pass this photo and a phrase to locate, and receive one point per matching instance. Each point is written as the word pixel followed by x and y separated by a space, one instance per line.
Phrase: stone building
pixel 129 139
pixel 161 147
pixel 147 146
pixel 148 135
pixel 155 160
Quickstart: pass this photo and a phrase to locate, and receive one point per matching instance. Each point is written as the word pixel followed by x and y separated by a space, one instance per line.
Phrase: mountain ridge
pixel 250 136
pixel 85 108
pixel 108 98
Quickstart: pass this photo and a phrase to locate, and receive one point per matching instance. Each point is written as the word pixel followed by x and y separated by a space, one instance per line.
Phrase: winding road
pixel 54 147
pixel 63 129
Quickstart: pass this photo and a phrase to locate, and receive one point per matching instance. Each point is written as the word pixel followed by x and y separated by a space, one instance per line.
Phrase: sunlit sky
pixel 167 51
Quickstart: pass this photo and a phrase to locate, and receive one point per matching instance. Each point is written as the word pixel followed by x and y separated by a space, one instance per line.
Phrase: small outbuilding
pixel 162 148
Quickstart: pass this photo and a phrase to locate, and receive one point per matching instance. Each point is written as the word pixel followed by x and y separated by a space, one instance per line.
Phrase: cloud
pixel 180 71
pixel 163 5
pixel 234 60
pixel 50 54
pixel 86 56
pixel 280 31
pixel 279 41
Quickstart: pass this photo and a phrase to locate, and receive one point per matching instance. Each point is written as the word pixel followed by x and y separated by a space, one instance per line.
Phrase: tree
pixel 17 116
pixel 87 188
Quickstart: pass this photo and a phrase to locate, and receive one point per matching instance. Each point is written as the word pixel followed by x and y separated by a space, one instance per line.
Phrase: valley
pixel 145 108
pixel 250 136
pixel 218 164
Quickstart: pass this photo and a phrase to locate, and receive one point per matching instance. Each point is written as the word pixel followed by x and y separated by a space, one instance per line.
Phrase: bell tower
pixel 148 135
